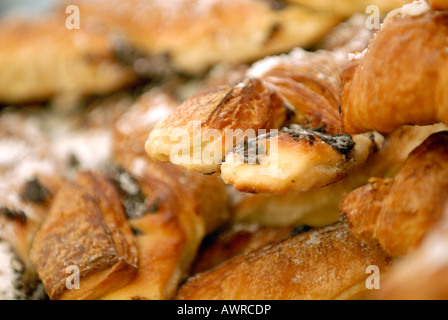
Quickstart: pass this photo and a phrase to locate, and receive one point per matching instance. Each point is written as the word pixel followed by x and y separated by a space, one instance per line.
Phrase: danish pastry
pixel 295 159
pixel 169 209
pixel 304 84
pixel 398 212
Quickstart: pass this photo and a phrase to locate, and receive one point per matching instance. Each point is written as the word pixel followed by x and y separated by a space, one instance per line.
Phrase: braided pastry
pixel 398 212
pixel 400 79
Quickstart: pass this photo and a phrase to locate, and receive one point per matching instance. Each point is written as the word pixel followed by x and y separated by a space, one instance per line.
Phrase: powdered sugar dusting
pixel 414 9
pixel 10 274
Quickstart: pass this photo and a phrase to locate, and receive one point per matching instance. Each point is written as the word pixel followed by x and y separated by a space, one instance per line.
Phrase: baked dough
pixel 348 7
pixel 398 212
pixel 196 34
pixel 400 79
pixel 232 112
pixel 169 209
pixel 300 87
pixel 238 240
pixel 429 262
pixel 296 159
pixel 41 58
pixel 325 263
pixel 85 228
pixel 320 207
pixel 438 4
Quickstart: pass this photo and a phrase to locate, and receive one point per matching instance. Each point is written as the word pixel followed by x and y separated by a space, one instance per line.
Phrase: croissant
pixel 398 212
pixel 399 79
pixel 324 263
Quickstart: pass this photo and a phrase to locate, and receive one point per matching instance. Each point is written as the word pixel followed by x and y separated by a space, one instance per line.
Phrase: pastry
pixel 295 159
pixel 41 59
pixel 438 4
pixel 399 79
pixel 85 229
pixel 429 262
pixel 325 263
pixel 398 212
pixel 218 31
pixel 239 239
pixel 301 88
pixel 320 207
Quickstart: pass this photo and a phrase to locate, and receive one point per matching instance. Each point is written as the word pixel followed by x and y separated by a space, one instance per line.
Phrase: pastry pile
pixel 242 149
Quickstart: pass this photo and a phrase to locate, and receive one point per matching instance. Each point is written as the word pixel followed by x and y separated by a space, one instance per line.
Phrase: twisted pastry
pixel 325 263
pixel 165 212
pixel 400 78
pixel 213 122
pixel 398 212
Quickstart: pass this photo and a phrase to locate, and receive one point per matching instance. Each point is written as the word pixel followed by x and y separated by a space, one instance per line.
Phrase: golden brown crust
pixel 398 213
pixel 401 78
pixel 326 263
pixel 171 210
pixel 218 31
pixel 41 58
pixel 310 83
pixel 349 7
pixel 249 105
pixel 438 4
pixel 427 268
pixel 320 207
pixel 85 228
pixel 236 241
